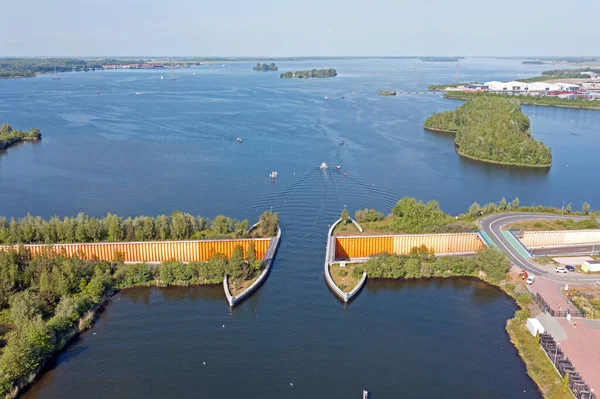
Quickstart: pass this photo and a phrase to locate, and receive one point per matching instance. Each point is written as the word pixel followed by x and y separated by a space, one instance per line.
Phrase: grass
pixel 385 227
pixel 236 289
pixel 588 300
pixel 344 282
pixel 558 224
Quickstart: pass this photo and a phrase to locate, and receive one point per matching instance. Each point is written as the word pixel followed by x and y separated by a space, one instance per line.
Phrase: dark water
pixel 146 146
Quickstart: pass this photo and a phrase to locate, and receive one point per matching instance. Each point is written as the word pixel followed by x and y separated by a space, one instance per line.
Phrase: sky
pixel 299 28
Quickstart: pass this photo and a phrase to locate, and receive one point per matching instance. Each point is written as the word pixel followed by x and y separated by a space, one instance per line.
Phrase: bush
pixel 368 215
pixel 524 299
pixel 342 273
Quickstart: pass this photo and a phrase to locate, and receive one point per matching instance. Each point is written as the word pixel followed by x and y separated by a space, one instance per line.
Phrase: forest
pixel 46 299
pixel 422 263
pixel 10 136
pixel 493 129
pixel 113 228
pixel 313 73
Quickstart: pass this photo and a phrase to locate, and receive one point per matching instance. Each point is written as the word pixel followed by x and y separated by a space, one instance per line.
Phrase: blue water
pixel 148 146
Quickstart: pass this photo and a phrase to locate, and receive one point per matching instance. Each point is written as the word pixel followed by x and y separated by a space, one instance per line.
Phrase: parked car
pixel 570 268
pixel 560 269
pixel 530 280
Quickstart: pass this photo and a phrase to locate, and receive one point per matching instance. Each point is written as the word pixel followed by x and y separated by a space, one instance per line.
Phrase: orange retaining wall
pixel 365 246
pixel 153 251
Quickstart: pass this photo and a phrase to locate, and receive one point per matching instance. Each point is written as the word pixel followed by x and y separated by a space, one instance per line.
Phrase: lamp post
pixel 556 353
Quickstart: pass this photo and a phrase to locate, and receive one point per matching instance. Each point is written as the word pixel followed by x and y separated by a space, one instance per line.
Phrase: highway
pixel 492 226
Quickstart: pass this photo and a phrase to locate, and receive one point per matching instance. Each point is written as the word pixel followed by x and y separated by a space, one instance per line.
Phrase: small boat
pixel 326 98
pixel 239 140
pixel 162 77
pixel 323 166
pixel 343 97
pixel 341 142
pixel 339 166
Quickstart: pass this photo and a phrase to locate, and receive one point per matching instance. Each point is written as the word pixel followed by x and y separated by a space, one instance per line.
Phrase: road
pixel 492 226
pixel 571 250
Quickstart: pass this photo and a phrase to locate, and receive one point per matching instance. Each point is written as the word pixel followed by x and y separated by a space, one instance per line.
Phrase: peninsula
pixel 494 130
pixel 314 73
pixel 265 67
pixel 10 136
pixel 50 295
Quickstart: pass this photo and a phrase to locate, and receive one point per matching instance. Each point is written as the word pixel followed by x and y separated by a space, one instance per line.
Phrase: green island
pixel 533 62
pixel 10 136
pixel 265 67
pixel 46 299
pixel 494 130
pixel 313 73
pixel 528 100
pixel 387 93
pixel 488 265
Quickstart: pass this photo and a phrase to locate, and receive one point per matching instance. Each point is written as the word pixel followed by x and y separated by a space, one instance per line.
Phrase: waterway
pixel 146 146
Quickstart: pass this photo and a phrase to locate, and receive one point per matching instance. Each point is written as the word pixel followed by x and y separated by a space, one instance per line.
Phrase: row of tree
pixel 422 263
pixel 113 228
pixel 47 298
pixel 493 129
pixel 10 136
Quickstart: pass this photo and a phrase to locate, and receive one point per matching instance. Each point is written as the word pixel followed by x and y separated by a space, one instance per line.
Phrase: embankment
pixel 268 259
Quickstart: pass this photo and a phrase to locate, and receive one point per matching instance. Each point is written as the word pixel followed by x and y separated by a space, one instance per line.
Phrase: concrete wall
pixel 365 246
pixel 152 251
pixel 537 239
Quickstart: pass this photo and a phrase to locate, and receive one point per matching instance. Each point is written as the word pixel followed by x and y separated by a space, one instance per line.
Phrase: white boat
pixel 323 166
pixel 239 140
pixel 161 78
pixel 339 166
pixel 326 98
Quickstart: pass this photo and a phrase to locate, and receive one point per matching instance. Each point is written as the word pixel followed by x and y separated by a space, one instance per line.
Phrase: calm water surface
pixel 148 146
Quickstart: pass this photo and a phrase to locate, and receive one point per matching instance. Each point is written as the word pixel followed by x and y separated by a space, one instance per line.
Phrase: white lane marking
pixel 528 265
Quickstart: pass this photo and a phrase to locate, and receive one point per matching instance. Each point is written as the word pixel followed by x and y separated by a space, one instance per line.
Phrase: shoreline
pixel 90 317
pixel 485 160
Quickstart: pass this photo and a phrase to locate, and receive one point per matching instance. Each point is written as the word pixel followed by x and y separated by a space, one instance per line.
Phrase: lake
pixel 148 146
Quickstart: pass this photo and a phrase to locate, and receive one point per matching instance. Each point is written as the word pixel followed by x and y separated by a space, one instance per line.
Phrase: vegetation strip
pixel 494 130
pixel 528 100
pixel 10 136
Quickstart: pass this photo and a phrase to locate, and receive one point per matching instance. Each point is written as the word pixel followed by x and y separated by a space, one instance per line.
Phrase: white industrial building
pixel 535 87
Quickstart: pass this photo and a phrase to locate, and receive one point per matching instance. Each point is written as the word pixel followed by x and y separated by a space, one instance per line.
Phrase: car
pixel 570 268
pixel 560 269
pixel 530 280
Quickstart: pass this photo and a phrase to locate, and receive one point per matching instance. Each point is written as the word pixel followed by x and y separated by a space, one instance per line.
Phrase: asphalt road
pixel 571 250
pixel 492 226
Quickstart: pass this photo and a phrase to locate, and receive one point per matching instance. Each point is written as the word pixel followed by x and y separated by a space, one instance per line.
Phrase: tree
pixel 515 203
pixel 222 224
pixel 180 228
pixel 269 223
pixel 502 204
pixel 568 208
pixel 586 208
pixel 24 307
pixel 251 253
pixel 113 227
pixel 236 263
pixel 474 210
pixel 345 216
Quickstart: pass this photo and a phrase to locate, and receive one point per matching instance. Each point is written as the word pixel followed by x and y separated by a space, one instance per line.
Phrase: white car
pixel 530 280
pixel 560 269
